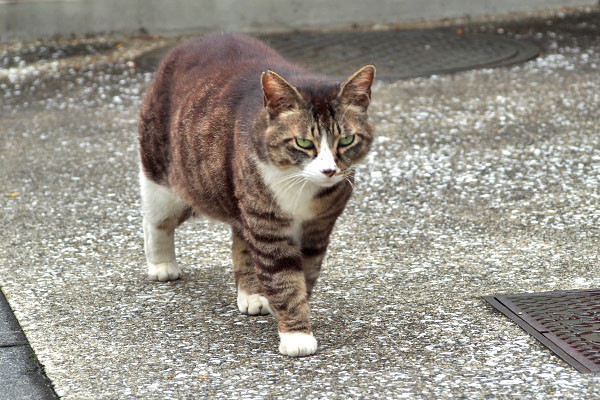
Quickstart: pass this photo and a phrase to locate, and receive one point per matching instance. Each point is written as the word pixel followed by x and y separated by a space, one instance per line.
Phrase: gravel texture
pixel 479 183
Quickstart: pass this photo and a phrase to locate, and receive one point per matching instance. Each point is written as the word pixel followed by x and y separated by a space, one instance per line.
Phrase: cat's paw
pixel 168 271
pixel 297 344
pixel 252 304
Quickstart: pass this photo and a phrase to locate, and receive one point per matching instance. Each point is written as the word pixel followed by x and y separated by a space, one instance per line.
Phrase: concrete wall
pixel 33 19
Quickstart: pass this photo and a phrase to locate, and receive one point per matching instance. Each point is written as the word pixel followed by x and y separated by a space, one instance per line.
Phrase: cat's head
pixel 316 128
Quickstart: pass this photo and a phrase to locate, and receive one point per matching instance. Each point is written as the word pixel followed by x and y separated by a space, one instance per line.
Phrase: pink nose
pixel 328 172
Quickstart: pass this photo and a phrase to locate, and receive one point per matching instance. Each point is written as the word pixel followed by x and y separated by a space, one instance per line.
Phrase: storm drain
pixel 397 53
pixel 567 322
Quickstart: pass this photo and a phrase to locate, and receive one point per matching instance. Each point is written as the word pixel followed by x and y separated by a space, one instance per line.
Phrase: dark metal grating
pixel 398 54
pixel 567 322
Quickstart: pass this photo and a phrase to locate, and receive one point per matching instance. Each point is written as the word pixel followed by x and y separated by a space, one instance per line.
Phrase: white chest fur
pixel 293 194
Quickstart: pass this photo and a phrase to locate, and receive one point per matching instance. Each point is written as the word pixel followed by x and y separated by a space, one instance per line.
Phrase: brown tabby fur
pixel 208 117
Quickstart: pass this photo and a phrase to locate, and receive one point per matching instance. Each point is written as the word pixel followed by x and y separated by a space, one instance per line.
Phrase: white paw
pixel 297 344
pixel 252 304
pixel 168 271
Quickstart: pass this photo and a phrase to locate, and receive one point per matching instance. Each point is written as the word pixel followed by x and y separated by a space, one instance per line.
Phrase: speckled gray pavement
pixel 479 183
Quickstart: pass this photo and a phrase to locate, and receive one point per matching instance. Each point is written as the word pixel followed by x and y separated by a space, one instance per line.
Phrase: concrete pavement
pixel 482 182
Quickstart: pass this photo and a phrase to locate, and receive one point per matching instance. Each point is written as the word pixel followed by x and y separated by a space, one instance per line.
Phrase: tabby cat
pixel 223 135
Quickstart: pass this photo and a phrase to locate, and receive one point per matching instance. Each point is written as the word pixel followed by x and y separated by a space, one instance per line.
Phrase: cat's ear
pixel 279 94
pixel 356 90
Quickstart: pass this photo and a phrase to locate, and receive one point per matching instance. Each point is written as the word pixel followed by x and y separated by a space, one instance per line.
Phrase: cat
pixel 223 134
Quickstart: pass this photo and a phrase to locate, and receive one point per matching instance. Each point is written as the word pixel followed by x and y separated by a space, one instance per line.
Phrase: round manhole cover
pixel 397 54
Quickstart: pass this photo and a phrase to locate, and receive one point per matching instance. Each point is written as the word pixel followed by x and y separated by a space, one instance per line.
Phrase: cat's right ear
pixel 357 89
pixel 279 95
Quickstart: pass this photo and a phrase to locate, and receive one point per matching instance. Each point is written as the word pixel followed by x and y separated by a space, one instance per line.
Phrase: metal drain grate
pixel 567 322
pixel 397 54
pixel 400 53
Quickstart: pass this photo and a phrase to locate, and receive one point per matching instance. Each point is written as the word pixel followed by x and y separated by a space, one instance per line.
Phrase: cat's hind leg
pixel 163 212
pixel 249 299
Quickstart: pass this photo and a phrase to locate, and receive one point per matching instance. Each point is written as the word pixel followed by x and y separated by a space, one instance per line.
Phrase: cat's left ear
pixel 279 94
pixel 356 90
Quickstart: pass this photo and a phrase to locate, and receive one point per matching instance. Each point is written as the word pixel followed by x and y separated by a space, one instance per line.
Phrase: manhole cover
pixel 56 51
pixel 397 54
pixel 567 322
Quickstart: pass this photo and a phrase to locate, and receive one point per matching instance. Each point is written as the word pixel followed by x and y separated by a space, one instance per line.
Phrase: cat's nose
pixel 328 172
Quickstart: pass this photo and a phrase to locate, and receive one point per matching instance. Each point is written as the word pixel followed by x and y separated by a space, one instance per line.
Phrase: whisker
pixel 287 183
pixel 299 192
pixel 287 177
pixel 296 182
pixel 350 173
pixel 350 182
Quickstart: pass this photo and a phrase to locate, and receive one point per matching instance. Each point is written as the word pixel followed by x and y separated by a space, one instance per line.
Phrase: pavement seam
pixel 2 346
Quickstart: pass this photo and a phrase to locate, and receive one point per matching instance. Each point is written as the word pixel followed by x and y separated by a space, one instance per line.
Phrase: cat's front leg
pixel 297 344
pixel 278 267
pixel 315 240
pixel 286 290
pixel 311 266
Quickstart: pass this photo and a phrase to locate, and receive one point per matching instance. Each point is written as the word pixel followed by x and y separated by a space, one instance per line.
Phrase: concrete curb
pixel 21 375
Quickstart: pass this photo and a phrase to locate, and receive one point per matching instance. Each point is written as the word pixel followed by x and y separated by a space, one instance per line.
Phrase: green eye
pixel 305 143
pixel 346 140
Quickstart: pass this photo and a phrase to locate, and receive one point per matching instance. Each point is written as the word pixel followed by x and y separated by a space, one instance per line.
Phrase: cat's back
pixel 208 81
pixel 225 49
pixel 202 91
pixel 225 61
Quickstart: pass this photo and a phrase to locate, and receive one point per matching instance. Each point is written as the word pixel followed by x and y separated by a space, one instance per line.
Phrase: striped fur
pixel 220 135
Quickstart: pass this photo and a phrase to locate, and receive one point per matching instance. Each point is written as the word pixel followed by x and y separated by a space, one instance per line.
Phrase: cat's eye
pixel 305 143
pixel 346 140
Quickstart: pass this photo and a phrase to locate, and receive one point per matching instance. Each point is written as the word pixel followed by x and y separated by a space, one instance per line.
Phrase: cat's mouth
pixel 328 181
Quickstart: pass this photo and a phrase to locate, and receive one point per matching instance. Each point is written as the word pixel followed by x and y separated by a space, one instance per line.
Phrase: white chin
pixel 327 182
